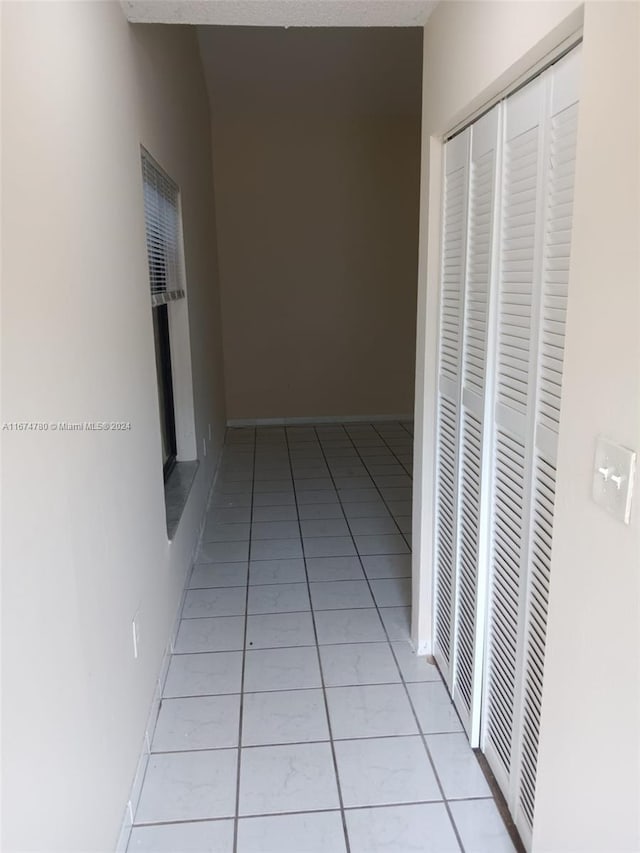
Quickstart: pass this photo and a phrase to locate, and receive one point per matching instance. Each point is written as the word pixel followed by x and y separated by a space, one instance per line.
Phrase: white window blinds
pixel 508 194
pixel 162 221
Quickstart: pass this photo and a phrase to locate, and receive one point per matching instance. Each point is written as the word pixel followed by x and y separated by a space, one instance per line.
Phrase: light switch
pixel 613 475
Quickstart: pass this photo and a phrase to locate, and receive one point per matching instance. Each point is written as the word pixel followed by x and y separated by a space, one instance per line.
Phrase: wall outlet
pixel 135 630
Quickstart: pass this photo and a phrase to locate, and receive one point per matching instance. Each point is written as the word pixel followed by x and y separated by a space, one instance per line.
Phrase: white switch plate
pixel 613 476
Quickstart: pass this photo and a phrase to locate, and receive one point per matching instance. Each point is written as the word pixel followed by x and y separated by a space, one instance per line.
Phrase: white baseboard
pixel 321 419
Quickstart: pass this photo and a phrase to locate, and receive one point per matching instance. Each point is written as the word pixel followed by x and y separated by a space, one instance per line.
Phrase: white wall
pixel 84 538
pixel 589 771
pixel 589 768
pixel 316 158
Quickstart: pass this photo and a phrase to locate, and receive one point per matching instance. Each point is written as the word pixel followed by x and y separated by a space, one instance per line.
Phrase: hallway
pixel 408 224
pixel 339 725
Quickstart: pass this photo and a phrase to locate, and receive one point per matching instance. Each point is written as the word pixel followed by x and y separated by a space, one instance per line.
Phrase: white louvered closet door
pixel 507 210
pixel 560 149
pixel 472 480
pixel 521 194
pixel 454 238
pixel 540 124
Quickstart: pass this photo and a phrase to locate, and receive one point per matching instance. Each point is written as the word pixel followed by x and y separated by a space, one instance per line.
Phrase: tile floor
pixel 295 717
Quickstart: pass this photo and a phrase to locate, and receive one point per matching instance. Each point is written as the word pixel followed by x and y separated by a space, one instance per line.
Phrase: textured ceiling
pixel 282 13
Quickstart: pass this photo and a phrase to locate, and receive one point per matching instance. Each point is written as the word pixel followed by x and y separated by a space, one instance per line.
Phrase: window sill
pixel 176 492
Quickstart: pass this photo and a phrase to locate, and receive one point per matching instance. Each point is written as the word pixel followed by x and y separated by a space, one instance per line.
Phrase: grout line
pixel 370 593
pixel 232 747
pixel 324 690
pixel 308 811
pixel 501 804
pixel 242 673
pixel 180 822
pixel 308 610
pixel 299 645
pixel 333 580
pixel 263 451
pixel 318 687
pixel 415 715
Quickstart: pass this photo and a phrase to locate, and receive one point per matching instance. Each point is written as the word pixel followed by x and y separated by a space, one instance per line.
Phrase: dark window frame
pixel 167 408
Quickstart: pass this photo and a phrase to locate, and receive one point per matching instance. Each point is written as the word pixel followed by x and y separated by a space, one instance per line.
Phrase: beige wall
pixel 589 767
pixel 316 164
pixel 589 774
pixel 84 539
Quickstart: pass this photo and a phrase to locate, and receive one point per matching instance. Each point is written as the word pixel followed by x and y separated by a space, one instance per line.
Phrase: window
pixel 162 221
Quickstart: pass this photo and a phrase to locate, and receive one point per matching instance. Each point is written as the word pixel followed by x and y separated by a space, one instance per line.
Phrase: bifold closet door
pixel 560 153
pixel 453 269
pixel 469 209
pixel 507 208
pixel 539 141
pixel 472 475
pixel 521 194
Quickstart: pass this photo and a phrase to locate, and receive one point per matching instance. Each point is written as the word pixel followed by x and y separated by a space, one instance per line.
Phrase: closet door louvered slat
pixel 469 587
pixel 454 231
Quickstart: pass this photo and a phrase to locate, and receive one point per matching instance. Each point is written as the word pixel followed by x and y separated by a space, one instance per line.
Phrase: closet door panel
pixel 453 263
pixel 470 587
pixel 517 269
pixel 561 137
